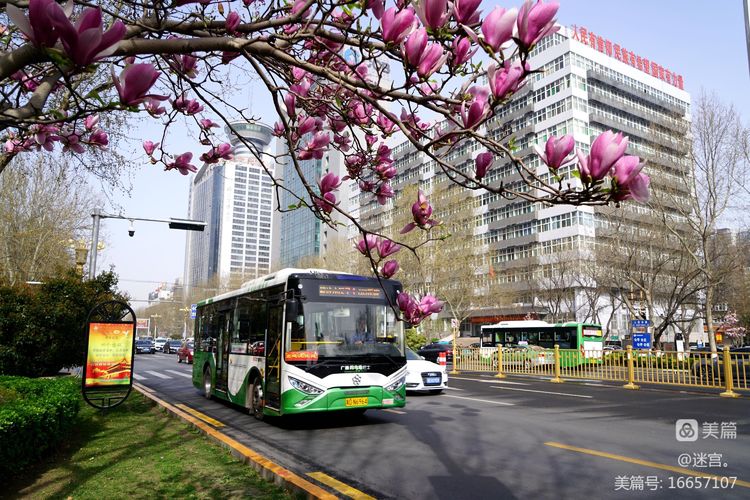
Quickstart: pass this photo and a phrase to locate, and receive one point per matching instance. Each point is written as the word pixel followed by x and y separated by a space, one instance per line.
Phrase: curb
pixel 269 470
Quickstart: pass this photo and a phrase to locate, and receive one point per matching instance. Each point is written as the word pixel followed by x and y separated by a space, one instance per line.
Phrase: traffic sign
pixel 640 323
pixel 193 310
pixel 641 341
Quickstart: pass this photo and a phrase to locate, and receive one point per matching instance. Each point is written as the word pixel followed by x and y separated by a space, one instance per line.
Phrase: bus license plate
pixel 356 402
pixel 432 381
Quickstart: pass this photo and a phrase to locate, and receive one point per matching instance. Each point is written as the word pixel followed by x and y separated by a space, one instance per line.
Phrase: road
pixel 512 438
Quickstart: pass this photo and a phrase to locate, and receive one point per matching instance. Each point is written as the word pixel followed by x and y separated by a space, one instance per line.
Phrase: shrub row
pixel 35 415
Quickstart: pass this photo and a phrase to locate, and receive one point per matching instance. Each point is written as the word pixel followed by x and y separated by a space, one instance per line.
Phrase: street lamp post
pixel 97 215
pixel 153 317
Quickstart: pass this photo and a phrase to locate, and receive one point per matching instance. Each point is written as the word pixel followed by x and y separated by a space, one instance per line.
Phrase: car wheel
pixel 256 399
pixel 207 385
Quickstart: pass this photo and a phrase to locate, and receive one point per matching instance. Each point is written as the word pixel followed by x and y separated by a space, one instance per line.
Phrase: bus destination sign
pixel 349 292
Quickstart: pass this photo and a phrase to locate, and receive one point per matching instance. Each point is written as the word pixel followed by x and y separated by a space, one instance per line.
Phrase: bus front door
pixel 224 347
pixel 273 358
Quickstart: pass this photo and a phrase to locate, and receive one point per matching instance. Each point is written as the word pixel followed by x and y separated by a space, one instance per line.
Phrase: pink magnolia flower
pixel 387 247
pixel 91 122
pixel 72 142
pixel 421 210
pixel 630 183
pixel 207 123
pixel 187 106
pixel 326 202
pixel 99 138
pixel 387 126
pixel 153 106
pixel 556 151
pixel 434 13
pixel 290 101
pixel 482 163
pixel 605 151
pixel 384 193
pixel 150 147
pixel 414 47
pixel 432 60
pixel 389 269
pixel 474 111
pixel 369 242
pixel 343 141
pixel 222 151
pixel 227 57
pixel 397 24
pixel 430 305
pixel 185 65
pixel 536 21
pixel 297 8
pixel 507 80
pixel 329 182
pixel 377 7
pixel 38 27
pixel 233 20
pixel 134 83
pixel 86 41
pixel 497 27
pixel 465 11
pixel 45 136
pixel 278 129
pixel 182 163
pixel 462 51
pixel 316 147
pixel 309 124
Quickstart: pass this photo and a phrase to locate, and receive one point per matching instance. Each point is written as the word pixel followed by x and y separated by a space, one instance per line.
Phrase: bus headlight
pixel 396 385
pixel 304 386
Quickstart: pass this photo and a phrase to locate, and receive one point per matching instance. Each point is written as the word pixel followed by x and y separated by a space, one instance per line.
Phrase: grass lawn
pixel 136 451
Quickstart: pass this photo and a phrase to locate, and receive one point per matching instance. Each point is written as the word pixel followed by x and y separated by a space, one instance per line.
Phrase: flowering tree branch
pixel 324 63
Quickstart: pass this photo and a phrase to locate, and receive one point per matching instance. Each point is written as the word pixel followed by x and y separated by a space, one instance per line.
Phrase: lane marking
pixel 544 392
pixel 449 388
pixel 157 374
pixel 398 412
pixel 339 486
pixel 496 381
pixel 645 463
pixel 480 400
pixel 200 415
pixel 139 377
pixel 259 461
pixel 187 375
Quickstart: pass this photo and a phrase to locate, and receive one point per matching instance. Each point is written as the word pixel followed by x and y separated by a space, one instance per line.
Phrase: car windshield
pixel 345 329
pixel 142 342
pixel 411 355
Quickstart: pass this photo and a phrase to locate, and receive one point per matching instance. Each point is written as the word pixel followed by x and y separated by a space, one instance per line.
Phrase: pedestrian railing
pixel 723 370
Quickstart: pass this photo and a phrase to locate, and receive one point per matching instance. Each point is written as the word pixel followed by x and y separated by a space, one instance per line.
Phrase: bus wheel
pixel 207 386
pixel 256 399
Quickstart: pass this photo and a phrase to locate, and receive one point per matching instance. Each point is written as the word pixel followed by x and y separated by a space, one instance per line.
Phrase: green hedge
pixel 35 415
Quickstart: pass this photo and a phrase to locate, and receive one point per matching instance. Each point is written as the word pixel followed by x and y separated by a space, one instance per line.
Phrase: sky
pixel 701 39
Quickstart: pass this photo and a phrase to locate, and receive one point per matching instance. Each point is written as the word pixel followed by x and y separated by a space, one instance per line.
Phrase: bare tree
pixel 719 170
pixel 45 206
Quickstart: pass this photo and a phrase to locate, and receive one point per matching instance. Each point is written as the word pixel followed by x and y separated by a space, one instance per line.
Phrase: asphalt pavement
pixel 512 438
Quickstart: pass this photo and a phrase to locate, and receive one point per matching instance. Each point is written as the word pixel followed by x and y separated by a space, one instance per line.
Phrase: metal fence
pixel 723 370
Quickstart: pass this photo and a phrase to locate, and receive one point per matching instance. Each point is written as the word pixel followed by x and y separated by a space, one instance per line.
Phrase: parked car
pixel 423 375
pixel 144 347
pixel 171 346
pixel 708 369
pixel 159 343
pixel 185 352
pixel 430 352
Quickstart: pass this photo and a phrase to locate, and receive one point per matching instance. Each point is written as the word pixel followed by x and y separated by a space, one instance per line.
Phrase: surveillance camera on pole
pixel 131 229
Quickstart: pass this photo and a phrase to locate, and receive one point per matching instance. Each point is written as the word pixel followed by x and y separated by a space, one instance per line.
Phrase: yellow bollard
pixel 728 382
pixel 556 379
pixel 631 370
pixel 500 373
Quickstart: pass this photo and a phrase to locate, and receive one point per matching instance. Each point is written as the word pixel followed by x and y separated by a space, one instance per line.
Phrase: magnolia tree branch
pixel 324 65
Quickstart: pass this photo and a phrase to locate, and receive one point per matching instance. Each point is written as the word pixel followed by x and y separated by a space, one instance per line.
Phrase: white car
pixel 159 343
pixel 423 375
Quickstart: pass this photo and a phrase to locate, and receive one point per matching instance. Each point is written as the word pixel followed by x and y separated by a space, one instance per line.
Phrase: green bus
pixel 585 338
pixel 285 343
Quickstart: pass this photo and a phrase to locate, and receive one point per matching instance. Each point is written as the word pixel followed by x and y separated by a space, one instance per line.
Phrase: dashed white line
pixel 545 392
pixel 139 377
pixel 157 374
pixel 480 400
pixel 181 374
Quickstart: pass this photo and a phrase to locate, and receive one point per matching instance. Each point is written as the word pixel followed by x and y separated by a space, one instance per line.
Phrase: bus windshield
pixel 336 329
